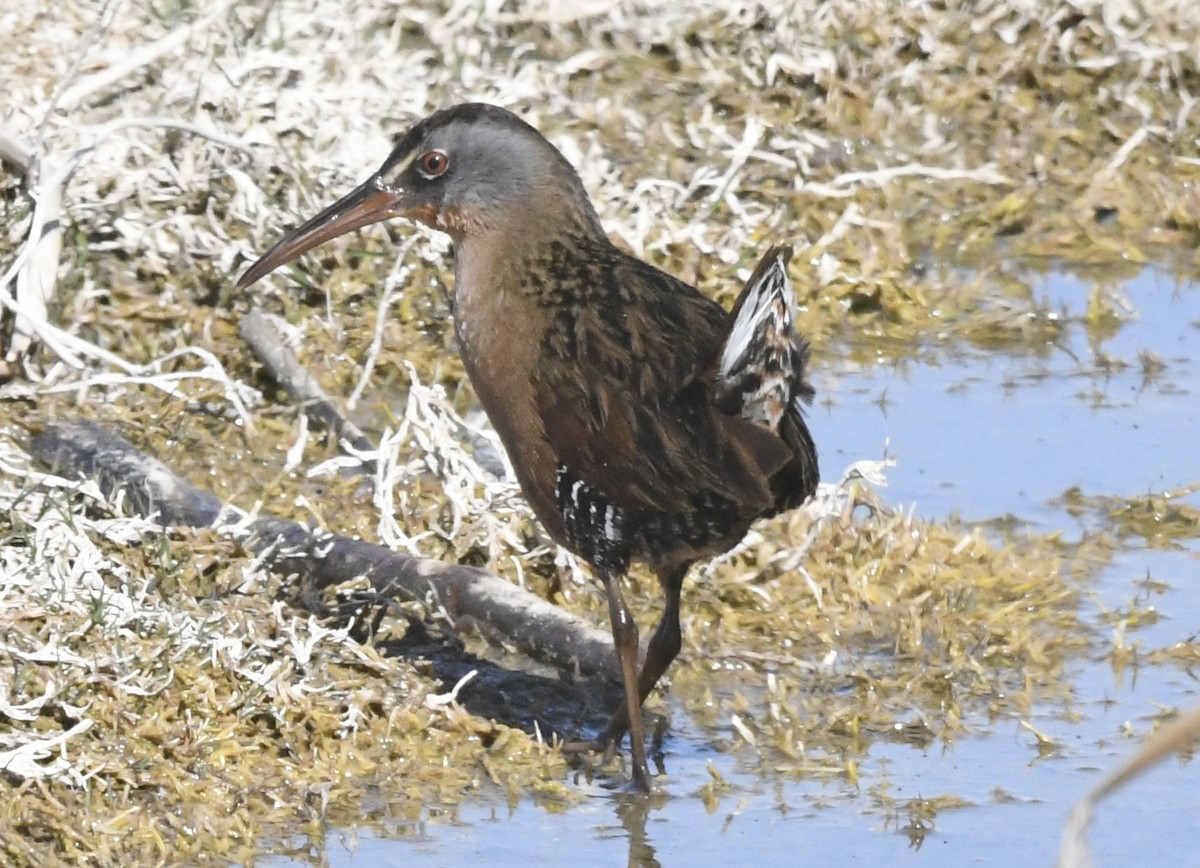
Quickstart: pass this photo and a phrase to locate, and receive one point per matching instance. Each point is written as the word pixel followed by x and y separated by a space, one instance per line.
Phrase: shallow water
pixel 991 437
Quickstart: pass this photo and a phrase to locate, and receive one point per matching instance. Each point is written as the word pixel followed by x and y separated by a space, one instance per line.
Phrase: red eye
pixel 433 163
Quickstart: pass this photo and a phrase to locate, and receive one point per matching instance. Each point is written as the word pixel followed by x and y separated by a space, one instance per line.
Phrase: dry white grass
pixel 70 604
pixel 118 114
pixel 119 110
pixel 130 111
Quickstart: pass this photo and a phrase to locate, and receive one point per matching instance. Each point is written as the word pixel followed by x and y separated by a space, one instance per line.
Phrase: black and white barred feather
pixel 596 528
pixel 609 537
pixel 760 376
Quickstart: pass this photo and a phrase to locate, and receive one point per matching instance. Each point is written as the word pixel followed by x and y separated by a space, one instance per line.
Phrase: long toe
pixel 580 747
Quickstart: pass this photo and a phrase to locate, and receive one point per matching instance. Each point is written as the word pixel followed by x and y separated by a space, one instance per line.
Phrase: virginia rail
pixel 644 422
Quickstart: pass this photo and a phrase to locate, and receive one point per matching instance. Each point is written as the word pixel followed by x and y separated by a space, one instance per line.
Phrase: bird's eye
pixel 433 163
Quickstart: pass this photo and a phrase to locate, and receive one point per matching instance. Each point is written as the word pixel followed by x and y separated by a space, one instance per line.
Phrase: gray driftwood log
pixel 535 627
pixel 264 341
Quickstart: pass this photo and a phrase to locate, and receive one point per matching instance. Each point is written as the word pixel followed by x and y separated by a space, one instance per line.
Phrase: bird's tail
pixel 760 376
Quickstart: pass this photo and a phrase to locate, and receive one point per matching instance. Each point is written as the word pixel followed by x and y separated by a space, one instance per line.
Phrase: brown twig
pixel 1174 737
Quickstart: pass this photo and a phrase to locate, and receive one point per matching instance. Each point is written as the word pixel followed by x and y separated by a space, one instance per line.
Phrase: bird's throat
pixel 500 333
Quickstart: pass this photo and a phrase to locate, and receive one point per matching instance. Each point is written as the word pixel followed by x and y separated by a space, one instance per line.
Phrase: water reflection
pixel 989 435
pixel 633 810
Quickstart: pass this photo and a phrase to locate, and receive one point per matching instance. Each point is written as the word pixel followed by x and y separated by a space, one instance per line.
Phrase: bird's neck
pixel 502 316
pixel 507 265
pixel 498 246
pixel 505 294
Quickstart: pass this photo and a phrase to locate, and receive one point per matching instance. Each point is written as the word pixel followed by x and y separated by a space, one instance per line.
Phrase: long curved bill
pixel 368 203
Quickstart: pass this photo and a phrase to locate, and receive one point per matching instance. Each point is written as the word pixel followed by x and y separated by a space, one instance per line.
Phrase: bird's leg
pixel 663 648
pixel 625 639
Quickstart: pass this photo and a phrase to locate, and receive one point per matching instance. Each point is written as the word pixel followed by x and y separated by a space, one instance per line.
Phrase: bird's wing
pixel 624 390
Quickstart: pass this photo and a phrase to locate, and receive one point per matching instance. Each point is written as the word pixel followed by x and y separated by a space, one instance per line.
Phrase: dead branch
pixel 1174 737
pixel 285 369
pixel 469 596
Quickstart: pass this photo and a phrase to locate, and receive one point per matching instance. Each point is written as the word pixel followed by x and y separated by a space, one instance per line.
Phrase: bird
pixel 644 422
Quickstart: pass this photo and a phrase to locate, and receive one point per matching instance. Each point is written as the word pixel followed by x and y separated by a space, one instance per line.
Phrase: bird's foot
pixel 579 748
pixel 600 759
pixel 633 786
